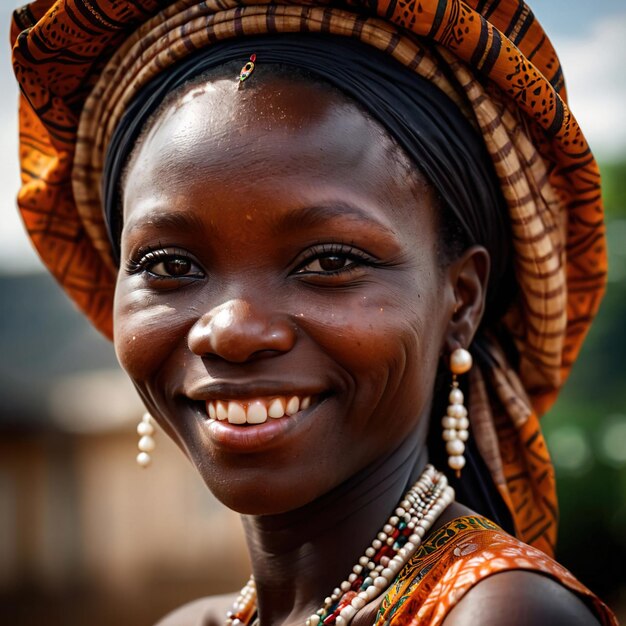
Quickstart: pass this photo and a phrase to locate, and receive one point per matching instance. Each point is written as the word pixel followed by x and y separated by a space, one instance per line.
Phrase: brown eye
pixel 175 267
pixel 329 263
pixel 332 263
pixel 335 261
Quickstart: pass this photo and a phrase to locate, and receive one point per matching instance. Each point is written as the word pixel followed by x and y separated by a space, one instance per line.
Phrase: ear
pixel 468 277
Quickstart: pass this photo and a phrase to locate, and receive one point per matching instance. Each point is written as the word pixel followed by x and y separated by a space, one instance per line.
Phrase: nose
pixel 237 332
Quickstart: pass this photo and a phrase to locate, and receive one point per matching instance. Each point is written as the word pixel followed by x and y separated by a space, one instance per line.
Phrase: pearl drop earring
pixel 146 444
pixel 455 423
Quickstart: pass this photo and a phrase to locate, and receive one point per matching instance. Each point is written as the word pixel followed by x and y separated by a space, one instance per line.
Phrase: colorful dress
pixel 456 557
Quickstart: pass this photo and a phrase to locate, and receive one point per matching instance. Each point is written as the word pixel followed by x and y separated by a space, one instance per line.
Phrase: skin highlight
pixel 273 248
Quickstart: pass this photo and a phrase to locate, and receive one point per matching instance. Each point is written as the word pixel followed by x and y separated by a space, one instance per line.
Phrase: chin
pixel 250 494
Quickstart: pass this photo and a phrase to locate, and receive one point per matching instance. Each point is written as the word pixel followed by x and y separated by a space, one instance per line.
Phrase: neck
pixel 299 557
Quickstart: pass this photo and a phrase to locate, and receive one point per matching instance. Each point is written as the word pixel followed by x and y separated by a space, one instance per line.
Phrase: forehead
pixel 289 138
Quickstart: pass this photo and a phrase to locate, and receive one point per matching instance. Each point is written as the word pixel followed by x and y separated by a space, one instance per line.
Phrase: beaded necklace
pixel 388 553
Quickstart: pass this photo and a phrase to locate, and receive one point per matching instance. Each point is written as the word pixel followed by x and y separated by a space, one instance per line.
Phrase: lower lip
pixel 255 437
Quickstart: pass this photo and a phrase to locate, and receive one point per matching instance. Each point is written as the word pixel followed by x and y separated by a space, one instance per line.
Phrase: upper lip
pixel 242 391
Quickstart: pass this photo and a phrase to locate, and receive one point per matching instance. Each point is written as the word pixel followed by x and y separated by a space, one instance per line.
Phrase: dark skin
pixel 320 274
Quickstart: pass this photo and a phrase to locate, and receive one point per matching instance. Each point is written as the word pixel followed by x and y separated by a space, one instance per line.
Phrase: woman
pixel 298 223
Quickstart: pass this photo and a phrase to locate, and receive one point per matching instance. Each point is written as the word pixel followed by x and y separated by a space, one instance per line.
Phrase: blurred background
pixel 86 537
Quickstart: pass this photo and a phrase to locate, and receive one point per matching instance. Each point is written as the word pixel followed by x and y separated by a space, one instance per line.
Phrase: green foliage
pixel 590 410
pixel 614 188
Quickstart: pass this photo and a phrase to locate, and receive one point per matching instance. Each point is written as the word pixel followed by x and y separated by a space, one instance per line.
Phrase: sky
pixel 589 37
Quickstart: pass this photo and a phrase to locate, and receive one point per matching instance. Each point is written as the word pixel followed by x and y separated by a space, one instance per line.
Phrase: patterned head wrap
pixel 80 64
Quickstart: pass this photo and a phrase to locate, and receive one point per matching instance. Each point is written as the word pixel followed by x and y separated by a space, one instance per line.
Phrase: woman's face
pixel 275 246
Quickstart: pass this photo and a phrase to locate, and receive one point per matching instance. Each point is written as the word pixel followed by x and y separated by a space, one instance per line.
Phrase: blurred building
pixel 86 536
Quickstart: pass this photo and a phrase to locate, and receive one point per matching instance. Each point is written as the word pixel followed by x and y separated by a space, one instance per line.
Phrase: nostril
pixel 264 354
pixel 238 332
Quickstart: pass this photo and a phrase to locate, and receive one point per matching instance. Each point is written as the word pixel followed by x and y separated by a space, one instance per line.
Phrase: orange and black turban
pixel 80 63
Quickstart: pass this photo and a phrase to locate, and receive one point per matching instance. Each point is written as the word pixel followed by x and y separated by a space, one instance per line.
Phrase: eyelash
pixel 358 257
pixel 147 258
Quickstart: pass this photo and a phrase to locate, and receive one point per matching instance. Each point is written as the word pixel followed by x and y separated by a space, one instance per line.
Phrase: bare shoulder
pixel 520 598
pixel 204 612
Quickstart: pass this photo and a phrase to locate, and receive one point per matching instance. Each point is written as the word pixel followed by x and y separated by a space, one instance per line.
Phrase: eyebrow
pixel 318 215
pixel 297 219
pixel 179 221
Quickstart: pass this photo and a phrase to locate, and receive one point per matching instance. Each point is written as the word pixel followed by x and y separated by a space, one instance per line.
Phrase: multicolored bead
pixel 383 559
pixel 247 69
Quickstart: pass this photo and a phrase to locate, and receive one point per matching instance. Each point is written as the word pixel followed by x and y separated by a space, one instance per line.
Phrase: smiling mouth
pixel 257 410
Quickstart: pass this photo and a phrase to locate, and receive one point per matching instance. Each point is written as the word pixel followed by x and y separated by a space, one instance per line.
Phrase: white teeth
pixel 221 411
pixel 276 408
pixel 236 413
pixel 257 413
pixel 293 406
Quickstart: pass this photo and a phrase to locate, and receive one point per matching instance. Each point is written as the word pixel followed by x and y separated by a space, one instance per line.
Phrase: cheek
pixel 146 330
pixel 388 342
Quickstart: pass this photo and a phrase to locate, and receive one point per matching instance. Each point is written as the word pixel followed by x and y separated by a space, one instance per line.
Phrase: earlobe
pixel 469 277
